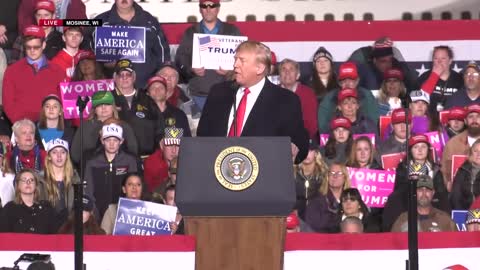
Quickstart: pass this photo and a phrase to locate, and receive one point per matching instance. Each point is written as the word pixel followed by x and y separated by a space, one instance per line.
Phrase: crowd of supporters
pixel 131 137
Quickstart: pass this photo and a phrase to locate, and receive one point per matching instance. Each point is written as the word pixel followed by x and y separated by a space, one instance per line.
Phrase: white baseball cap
pixel 420 95
pixel 57 143
pixel 112 130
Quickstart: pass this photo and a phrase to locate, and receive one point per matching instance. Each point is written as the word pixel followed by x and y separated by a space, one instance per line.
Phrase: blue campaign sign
pixel 117 42
pixel 136 217
pixel 460 216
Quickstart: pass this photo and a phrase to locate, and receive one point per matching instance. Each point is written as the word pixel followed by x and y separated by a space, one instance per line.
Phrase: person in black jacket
pixel 157 50
pixel 466 184
pixel 362 154
pixel 137 108
pixel 106 170
pixel 421 162
pixel 26 213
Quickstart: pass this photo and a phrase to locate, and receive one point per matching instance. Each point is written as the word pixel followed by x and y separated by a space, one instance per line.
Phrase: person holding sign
pixel 460 144
pixel 421 162
pixel 132 188
pixel 466 183
pixel 395 144
pixel 127 13
pixel 137 108
pixel 87 68
pixel 52 125
pixel 322 211
pixel 106 170
pixel 200 80
pixel 339 141
pixel 32 72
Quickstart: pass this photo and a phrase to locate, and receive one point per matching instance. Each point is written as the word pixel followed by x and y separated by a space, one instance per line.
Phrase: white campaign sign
pixel 215 51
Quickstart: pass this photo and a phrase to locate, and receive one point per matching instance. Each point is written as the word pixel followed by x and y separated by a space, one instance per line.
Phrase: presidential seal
pixel 236 168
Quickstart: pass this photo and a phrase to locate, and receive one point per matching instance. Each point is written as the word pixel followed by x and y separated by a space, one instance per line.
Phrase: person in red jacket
pixel 27 82
pixel 65 9
pixel 67 57
pixel 157 164
pixel 289 71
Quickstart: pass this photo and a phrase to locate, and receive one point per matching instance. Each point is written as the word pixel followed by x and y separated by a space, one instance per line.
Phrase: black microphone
pixel 234 88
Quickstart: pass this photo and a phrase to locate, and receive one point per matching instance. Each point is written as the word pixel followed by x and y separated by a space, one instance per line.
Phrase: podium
pixel 234 194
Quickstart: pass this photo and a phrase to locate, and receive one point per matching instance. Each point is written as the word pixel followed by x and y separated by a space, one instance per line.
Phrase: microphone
pixel 234 88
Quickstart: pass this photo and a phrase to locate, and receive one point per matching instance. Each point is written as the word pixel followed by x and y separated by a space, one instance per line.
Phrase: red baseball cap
pixel 393 73
pixel 340 122
pixel 346 93
pixel 156 79
pixel 347 70
pixel 34 31
pixel 473 108
pixel 398 116
pixel 85 55
pixel 47 5
pixel 457 113
pixel 420 138
pixel 292 221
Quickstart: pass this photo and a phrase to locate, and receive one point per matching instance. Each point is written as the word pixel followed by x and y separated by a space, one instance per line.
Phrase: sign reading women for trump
pixel 70 91
pixel 136 217
pixel 374 185
pixel 215 51
pixel 117 42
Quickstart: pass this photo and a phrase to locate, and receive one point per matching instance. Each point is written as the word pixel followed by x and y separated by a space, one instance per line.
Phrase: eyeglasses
pixel 335 174
pixel 27 181
pixel 34 48
pixel 125 75
pixel 204 6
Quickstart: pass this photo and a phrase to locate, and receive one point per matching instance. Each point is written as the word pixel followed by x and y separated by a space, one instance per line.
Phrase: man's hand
pixel 199 71
pixel 294 151
pixel 439 69
pixel 221 71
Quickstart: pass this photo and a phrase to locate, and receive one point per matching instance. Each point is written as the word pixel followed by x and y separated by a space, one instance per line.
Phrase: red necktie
pixel 35 66
pixel 240 115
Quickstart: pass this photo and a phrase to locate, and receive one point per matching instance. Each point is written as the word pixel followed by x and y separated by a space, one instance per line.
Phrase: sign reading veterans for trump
pixel 215 51
pixel 70 91
pixel 136 217
pixel 374 185
pixel 117 42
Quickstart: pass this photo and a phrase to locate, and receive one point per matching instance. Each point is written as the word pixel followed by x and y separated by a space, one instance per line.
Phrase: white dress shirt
pixel 251 99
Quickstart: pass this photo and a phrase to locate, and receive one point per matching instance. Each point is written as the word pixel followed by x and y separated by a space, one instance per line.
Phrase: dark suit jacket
pixel 277 112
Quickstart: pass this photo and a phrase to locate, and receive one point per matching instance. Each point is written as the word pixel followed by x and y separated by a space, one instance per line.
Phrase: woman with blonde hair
pixel 309 175
pixel 59 179
pixel 392 91
pixel 7 188
pixel 322 212
pixel 27 213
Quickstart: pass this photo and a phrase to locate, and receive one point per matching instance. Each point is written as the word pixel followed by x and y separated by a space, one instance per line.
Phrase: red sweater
pixel 24 89
pixel 66 61
pixel 309 104
pixel 155 170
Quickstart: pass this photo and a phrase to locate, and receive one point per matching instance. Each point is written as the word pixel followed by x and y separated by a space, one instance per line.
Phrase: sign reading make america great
pixel 236 168
pixel 117 42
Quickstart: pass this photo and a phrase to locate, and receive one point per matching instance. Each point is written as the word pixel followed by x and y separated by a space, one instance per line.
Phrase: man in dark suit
pixel 262 108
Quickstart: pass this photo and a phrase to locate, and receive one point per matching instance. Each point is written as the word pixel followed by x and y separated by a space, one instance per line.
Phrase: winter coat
pixel 464 190
pixel 19 218
pixel 321 213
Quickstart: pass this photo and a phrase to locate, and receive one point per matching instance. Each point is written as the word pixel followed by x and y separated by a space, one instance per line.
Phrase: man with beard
pixel 460 144
pixel 430 219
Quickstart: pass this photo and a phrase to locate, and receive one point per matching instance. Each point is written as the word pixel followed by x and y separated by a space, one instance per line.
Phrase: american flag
pixel 208 42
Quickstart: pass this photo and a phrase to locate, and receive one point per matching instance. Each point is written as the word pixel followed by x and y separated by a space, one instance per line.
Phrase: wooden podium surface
pixel 237 243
